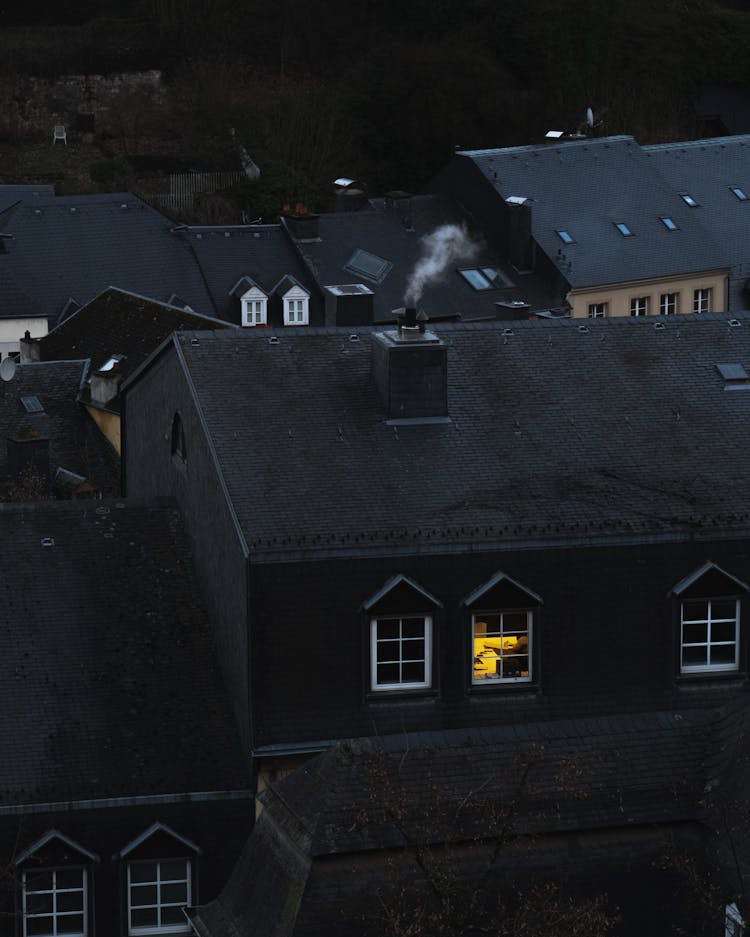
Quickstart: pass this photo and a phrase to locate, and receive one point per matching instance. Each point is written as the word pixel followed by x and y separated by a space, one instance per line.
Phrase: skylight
pixel 32 404
pixel 738 192
pixel 669 223
pixel 688 199
pixel 368 265
pixel 623 229
pixel 565 236
pixel 486 278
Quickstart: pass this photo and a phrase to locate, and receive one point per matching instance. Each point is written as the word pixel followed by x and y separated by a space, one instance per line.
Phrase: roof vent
pixel 47 542
pixel 734 323
pixel 274 340
pixel 659 326
pixel 583 328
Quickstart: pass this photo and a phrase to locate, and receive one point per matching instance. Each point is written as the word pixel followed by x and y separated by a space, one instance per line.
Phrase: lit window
pixel 623 229
pixel 400 653
pixel 669 223
pixel 54 903
pixel 688 200
pixel 598 310
pixel 296 312
pixel 702 300
pixel 738 193
pixel 669 304
pixel 639 306
pixel 501 646
pixel 709 634
pixel 254 312
pixel 157 894
pixel 565 237
pixel 486 278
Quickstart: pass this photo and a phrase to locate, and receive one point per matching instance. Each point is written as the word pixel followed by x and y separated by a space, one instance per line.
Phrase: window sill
pixel 500 688
pixel 427 694
pixel 717 677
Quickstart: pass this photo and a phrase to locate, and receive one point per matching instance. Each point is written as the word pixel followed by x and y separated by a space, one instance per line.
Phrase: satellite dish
pixel 7 369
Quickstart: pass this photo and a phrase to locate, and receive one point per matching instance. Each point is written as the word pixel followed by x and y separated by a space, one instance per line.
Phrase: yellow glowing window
pixel 502 646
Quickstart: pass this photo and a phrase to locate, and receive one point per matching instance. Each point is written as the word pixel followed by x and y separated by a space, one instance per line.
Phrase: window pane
pixel 38 881
pixel 144 917
pixel 176 893
pixel 38 926
pixel 70 924
pixel 143 895
pixel 39 903
pixel 413 650
pixel 171 916
pixel 143 872
pixel 694 611
pixel 514 621
pixel 695 634
pixel 388 673
pixel 413 627
pixel 413 673
pixel 388 651
pixel 70 901
pixel 722 653
pixel 723 631
pixel 388 628
pixel 693 656
pixel 476 279
pixel 69 878
pixel 723 608
pixel 176 870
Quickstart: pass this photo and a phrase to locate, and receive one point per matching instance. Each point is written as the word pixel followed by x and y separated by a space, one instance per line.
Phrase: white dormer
pixel 296 306
pixel 254 307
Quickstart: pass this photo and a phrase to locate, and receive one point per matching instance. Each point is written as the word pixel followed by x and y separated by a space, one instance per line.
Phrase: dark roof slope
pixel 556 429
pixel 14 302
pixel 75 443
pixel 110 683
pixel 10 194
pixel 119 323
pixel 392 230
pixel 585 188
pixel 261 252
pixel 706 169
pixel 76 246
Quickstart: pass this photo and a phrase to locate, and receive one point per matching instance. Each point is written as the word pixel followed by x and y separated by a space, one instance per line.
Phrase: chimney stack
pixel 30 349
pixel 105 385
pixel 410 366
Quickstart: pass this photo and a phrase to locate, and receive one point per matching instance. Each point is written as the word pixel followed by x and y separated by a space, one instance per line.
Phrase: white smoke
pixel 446 245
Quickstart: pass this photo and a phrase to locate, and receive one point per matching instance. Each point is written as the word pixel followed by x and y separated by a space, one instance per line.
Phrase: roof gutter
pixel 143 800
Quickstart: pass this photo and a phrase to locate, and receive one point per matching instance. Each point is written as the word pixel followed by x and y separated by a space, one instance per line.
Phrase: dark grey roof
pixel 706 169
pixel 110 682
pixel 585 188
pixel 261 252
pixel 10 194
pixel 556 429
pixel 392 230
pixel 75 443
pixel 119 323
pixel 14 302
pixel 78 245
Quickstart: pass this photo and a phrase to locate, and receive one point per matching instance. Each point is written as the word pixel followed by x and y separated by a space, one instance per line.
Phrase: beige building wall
pixel 108 423
pixel 617 298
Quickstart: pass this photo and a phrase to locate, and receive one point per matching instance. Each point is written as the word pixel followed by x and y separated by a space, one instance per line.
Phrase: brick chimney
pixel 410 366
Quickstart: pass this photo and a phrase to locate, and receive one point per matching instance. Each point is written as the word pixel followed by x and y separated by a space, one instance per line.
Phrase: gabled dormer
pixel 295 301
pixel 253 302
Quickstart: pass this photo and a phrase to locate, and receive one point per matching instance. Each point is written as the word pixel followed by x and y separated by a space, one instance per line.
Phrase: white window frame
pixel 709 644
pixel 375 642
pixel 254 312
pixel 493 680
pixel 159 928
pixel 639 306
pixel 669 304
pixel 598 310
pixel 702 298
pixel 296 309
pixel 54 915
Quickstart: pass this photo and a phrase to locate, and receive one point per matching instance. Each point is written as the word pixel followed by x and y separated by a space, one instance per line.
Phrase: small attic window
pixel 688 199
pixel 368 265
pixel 738 193
pixel 623 229
pixel 32 404
pixel 668 223
pixel 486 278
pixel 735 376
pixel 566 237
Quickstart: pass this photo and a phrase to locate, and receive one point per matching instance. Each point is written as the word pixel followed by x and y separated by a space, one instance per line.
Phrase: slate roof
pixel 118 323
pixel 706 169
pixel 110 682
pixel 392 229
pixel 78 245
pixel 14 302
pixel 10 194
pixel 75 443
pixel 261 252
pixel 585 187
pixel 618 427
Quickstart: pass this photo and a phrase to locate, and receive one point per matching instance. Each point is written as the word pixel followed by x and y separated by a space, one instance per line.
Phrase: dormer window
pixel 254 308
pixel 401 637
pixel 296 311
